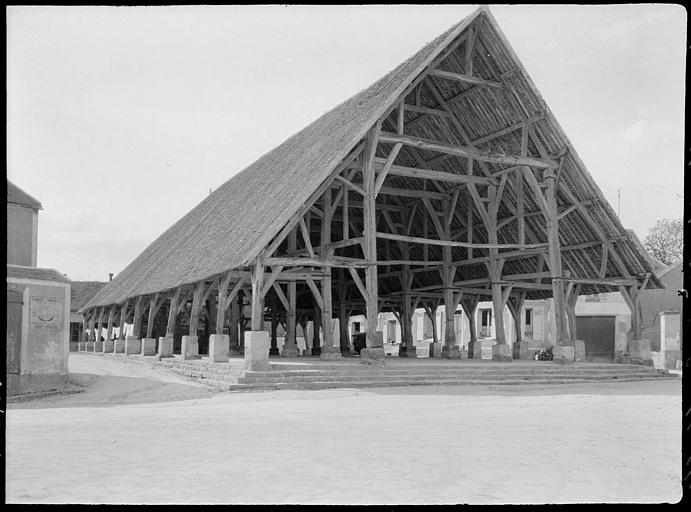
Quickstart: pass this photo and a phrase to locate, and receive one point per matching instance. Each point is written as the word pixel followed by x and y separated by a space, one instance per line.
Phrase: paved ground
pixel 141 435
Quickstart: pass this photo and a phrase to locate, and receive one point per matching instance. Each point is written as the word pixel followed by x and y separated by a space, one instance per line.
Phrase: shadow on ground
pixel 670 386
pixel 92 390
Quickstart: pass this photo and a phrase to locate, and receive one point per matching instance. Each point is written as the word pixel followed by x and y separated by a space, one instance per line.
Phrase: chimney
pixel 110 276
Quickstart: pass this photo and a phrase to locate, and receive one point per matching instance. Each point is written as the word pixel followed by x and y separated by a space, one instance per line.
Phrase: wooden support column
pixel 316 323
pixel 123 318
pixel 137 319
pixel 328 350
pixel 496 264
pixel 515 305
pixel 448 274
pixel 92 325
pixel 431 312
pixel 153 309
pixel 571 298
pixel 257 318
pixel 555 267
pixel 343 313
pixel 638 349
pixel 291 337
pixel 196 307
pixel 111 317
pixel 99 322
pixel 273 351
pixel 408 342
pixel 233 324
pixel 223 303
pixel 173 312
pixel 469 304
pixel 370 243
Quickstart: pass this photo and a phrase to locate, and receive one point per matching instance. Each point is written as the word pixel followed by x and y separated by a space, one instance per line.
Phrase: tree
pixel 665 240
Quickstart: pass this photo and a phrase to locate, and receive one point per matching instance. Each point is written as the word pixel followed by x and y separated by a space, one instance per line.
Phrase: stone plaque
pixel 45 313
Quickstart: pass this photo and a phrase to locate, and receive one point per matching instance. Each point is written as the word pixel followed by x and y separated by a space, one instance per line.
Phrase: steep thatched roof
pixel 16 195
pixel 234 223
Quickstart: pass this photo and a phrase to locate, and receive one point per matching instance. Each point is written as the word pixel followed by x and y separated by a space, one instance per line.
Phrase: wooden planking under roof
pixel 230 227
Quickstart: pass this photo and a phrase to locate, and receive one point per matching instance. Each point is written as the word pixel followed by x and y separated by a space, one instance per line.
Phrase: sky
pixel 122 119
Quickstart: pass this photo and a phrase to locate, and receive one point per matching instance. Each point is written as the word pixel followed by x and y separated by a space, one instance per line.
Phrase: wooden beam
pixel 333 261
pixel 425 110
pixel 428 174
pixel 349 184
pixel 315 292
pixel 465 151
pixel 458 77
pixel 450 243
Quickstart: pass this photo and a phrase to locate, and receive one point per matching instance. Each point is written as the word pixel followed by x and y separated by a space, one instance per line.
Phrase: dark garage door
pixel 598 334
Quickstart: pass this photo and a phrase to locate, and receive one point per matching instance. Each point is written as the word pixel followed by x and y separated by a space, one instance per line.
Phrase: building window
pixel 427 329
pixel 356 327
pixel 75 331
pixel 391 331
pixel 485 322
pixel 528 323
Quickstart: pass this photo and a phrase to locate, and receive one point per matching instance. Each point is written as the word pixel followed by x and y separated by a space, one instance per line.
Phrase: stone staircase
pixel 350 374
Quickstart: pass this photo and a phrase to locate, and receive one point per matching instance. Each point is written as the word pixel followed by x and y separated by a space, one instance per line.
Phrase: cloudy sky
pixel 120 119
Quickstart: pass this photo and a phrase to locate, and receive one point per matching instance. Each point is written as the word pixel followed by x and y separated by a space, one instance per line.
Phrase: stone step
pixel 454 373
pixel 395 383
pixel 416 378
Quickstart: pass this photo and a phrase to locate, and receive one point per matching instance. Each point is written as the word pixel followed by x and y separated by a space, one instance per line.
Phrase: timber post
pixel 329 351
pixel 108 343
pixel 469 306
pixel 290 347
pixel 257 343
pixel 374 350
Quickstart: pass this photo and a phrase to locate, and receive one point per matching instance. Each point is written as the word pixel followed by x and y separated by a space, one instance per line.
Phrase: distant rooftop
pixel 16 195
pixel 82 291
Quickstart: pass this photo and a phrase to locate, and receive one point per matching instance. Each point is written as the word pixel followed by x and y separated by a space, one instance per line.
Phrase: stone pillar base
pixel 453 352
pixel 563 354
pixel 521 350
pixel 257 344
pixel 165 347
pixel 483 349
pixel 133 345
pixel 190 348
pixel 639 352
pixel 331 353
pixel 119 346
pixel 148 346
pixel 108 346
pixel 501 353
pixel 98 346
pixel 89 346
pixel 404 351
pixel 273 351
pixel 81 346
pixel 316 351
pixel 218 348
pixel 579 350
pixel 290 349
pixel 372 355
pixel 346 351
pixel 435 349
